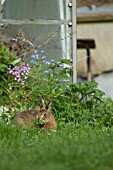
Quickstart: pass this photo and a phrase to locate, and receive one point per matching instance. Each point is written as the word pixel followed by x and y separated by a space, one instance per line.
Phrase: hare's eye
pixel 44 114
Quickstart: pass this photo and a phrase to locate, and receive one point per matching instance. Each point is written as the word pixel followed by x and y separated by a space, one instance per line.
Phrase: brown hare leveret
pixel 29 118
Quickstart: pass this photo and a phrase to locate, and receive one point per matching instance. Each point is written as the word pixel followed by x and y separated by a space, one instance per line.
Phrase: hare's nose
pixel 41 117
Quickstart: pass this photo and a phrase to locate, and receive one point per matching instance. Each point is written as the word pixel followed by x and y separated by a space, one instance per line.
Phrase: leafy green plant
pixel 28 75
pixel 6 58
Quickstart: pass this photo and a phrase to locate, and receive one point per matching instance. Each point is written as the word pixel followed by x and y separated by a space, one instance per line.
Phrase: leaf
pixel 2 67
pixel 3 79
pixel 38 122
pixel 65 61
pixel 4 50
pixel 1 57
pixel 15 61
pixel 6 57
pixel 13 55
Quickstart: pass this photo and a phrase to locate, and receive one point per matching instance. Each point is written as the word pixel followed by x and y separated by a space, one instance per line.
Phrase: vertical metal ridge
pixel 68 30
pixel 62 32
pixel 0 12
pixel 74 42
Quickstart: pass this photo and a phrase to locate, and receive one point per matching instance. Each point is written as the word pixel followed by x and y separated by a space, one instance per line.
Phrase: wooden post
pixel 87 44
pixel 89 75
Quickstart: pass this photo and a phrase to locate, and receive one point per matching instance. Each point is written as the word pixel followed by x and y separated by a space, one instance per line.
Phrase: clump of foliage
pixel 26 74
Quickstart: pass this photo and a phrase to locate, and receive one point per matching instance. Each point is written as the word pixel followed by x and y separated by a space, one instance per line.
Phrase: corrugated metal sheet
pixel 41 19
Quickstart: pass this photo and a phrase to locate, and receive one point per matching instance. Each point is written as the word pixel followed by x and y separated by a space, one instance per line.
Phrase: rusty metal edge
pixel 95 17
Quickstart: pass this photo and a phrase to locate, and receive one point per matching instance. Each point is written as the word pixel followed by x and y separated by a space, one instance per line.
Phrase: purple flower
pixel 42 51
pixel 35 51
pixel 37 56
pixel 43 57
pixel 18 76
pixel 20 73
pixel 33 56
pixel 65 80
pixel 16 56
pixel 23 64
pixel 60 81
pixel 22 82
pixel 24 69
pixel 10 87
pixel 19 79
pixel 52 61
pixel 9 69
pixel 16 68
pixel 47 63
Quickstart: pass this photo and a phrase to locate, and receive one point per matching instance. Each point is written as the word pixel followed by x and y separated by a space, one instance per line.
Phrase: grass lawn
pixel 69 148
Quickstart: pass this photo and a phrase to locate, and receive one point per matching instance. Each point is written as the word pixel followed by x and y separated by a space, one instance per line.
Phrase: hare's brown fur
pixel 27 118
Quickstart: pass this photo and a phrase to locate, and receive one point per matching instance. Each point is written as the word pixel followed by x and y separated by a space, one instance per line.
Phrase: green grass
pixel 69 148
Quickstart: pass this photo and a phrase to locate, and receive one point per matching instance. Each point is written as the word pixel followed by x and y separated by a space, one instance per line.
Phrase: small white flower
pixel 67 86
pixel 25 77
pixel 14 39
pixel 42 51
pixel 10 71
pixel 24 40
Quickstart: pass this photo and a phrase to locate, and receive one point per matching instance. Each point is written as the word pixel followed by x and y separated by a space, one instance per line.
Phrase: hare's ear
pixel 42 103
pixel 49 105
